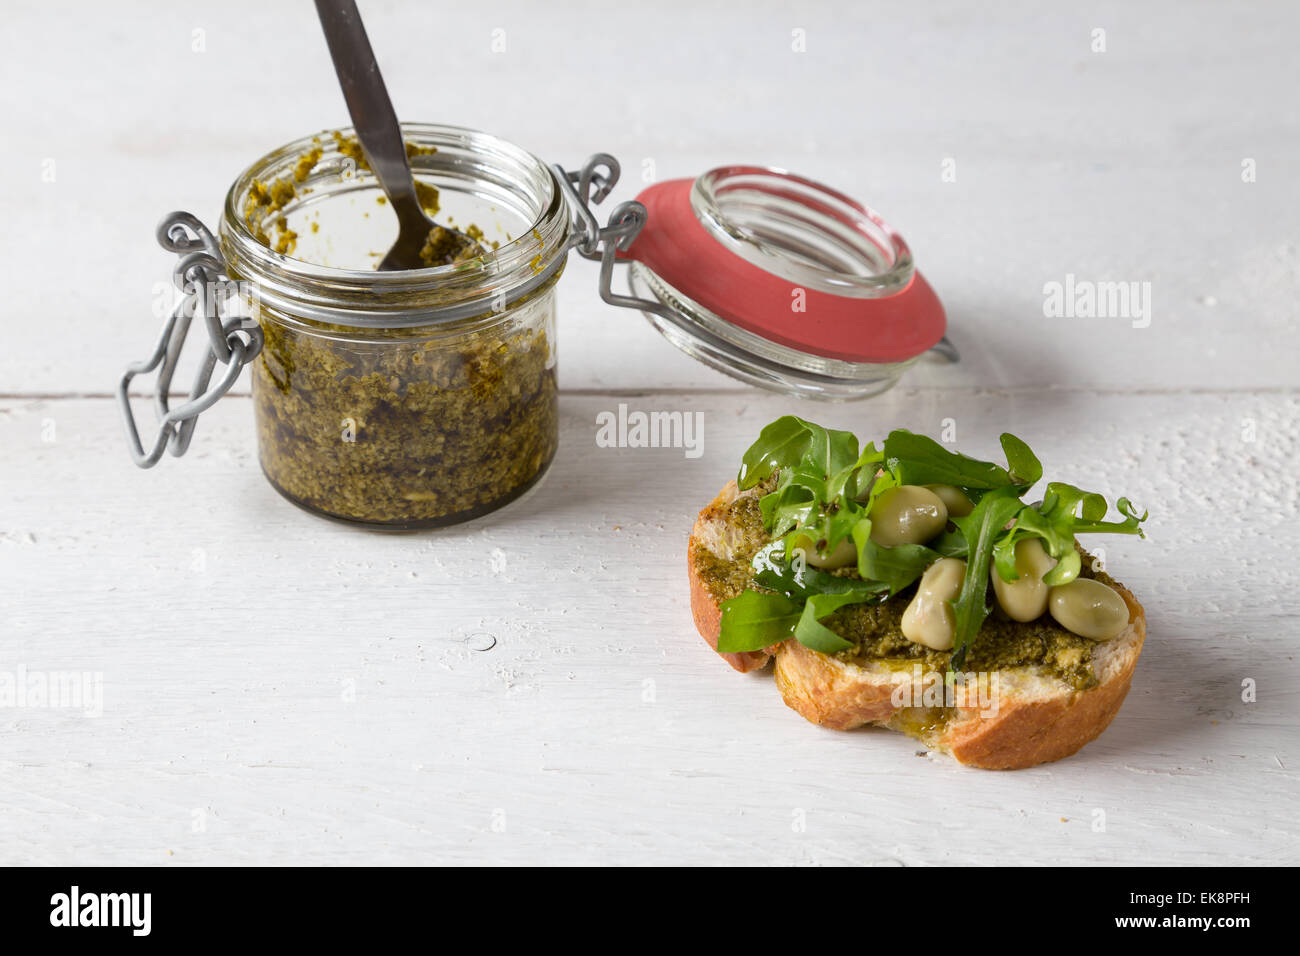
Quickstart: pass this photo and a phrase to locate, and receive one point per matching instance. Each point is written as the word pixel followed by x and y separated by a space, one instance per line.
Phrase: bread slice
pixel 715 535
pixel 1038 716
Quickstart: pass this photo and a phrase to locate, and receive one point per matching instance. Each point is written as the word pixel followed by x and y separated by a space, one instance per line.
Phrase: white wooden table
pixel 529 687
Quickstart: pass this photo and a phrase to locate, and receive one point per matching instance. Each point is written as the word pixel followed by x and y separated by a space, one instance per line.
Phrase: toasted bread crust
pixel 830 693
pixel 1038 718
pixel 707 611
pixel 1030 732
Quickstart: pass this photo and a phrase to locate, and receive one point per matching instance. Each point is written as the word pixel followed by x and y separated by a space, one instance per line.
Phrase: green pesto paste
pixel 266 201
pixel 404 433
pixel 875 629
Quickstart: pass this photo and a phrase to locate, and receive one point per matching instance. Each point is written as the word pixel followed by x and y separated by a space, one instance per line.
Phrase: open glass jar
pixel 782 282
pixel 424 397
pixel 410 398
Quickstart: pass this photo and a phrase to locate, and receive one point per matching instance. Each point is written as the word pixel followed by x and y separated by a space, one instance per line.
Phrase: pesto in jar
pixel 422 423
pixel 404 431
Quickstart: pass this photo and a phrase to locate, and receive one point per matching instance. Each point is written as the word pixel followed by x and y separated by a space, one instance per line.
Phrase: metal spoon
pixel 377 128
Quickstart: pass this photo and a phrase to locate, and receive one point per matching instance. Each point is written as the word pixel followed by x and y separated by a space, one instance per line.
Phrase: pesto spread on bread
pixel 912 554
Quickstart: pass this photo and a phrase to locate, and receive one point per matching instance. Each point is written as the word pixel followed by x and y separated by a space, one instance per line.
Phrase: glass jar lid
pixel 782 282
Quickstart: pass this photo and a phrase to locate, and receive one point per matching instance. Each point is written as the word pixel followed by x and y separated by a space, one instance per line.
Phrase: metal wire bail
pixel 200 275
pixel 585 188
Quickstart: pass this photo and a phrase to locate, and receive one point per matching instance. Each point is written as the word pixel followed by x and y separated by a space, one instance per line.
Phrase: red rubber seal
pixel 675 245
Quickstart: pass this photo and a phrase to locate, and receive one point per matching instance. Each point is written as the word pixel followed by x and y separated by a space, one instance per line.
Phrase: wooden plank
pixel 1117 166
pixel 278 688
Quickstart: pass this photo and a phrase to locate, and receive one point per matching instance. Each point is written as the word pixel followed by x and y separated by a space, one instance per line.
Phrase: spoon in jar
pixel 377 128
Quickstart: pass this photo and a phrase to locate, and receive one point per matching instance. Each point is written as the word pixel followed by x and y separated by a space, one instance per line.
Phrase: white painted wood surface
pixel 281 689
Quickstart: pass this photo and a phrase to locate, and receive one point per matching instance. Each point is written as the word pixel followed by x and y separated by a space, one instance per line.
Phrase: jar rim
pixel 367 298
pixel 802 230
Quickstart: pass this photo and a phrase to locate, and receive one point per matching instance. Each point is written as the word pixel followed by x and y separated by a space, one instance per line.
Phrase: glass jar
pixel 426 397
pixel 411 398
pixel 735 242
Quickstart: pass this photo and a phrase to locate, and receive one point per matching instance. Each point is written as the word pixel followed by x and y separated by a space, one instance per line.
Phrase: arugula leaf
pixel 789 442
pixel 1064 501
pixel 1066 569
pixel 788 506
pixel 1130 524
pixel 1065 512
pixel 918 460
pixel 1057 542
pixel 812 633
pixel 772 570
pixel 1029 523
pixel 896 567
pixel 828 527
pixel 853 480
pixel 753 620
pixel 820 593
pixel 1024 465
pixel 981 528
pixel 780 445
pixel 820 471
pixel 831 450
pixel 951 544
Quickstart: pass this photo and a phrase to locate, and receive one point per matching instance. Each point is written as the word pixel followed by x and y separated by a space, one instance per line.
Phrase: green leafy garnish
pixel 790 443
pixel 1023 464
pixel 1065 512
pixel 753 620
pixel 812 633
pixel 917 460
pixel 981 529
pixel 798 579
pixel 896 567
pixel 824 490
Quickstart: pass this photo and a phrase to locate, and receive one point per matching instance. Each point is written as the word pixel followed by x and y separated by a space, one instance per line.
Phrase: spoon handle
pixel 367 98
